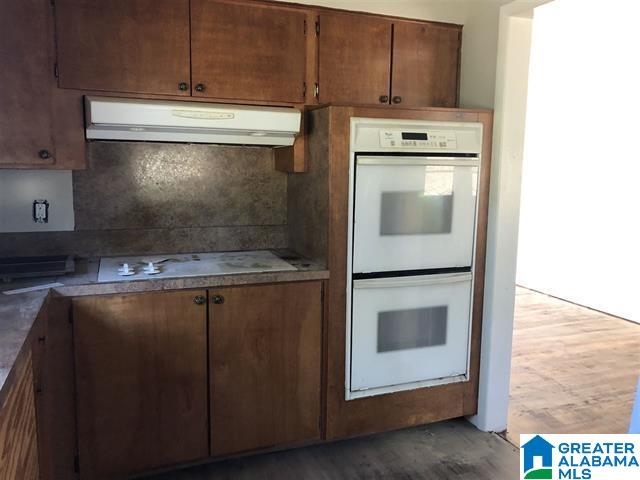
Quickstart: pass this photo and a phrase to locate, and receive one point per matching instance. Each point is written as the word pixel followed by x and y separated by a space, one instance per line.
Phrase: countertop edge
pixel 187 283
pixel 167 284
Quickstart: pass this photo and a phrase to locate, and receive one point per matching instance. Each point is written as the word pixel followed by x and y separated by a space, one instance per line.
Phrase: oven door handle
pixel 419 161
pixel 415 281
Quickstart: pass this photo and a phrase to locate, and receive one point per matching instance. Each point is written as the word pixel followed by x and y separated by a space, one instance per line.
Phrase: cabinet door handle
pixel 384 98
pixel 199 300
pixel 44 154
pixel 217 299
pixel 200 87
pixel 397 100
pixel 183 86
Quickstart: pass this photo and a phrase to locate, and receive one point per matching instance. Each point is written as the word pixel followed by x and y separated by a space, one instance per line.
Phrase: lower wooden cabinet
pixel 141 381
pixel 265 350
pixel 175 377
pixel 18 437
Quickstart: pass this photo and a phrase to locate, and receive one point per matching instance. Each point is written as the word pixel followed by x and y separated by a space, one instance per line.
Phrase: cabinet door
pixel 27 79
pixel 18 437
pixel 250 52
pixel 137 46
pixel 141 381
pixel 355 59
pixel 265 346
pixel 425 65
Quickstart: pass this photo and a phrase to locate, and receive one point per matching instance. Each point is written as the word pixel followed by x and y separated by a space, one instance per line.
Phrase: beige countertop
pixel 18 312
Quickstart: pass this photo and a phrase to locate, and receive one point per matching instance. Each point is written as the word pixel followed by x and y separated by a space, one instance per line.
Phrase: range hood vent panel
pixel 109 118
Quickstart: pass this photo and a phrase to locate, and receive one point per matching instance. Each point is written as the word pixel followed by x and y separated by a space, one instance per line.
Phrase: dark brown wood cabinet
pixel 27 80
pixel 18 436
pixel 371 60
pixel 55 390
pixel 138 46
pixel 248 51
pixel 265 344
pixel 425 65
pixel 354 54
pixel 141 381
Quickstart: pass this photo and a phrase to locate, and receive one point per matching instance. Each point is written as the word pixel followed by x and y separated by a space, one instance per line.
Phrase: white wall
pixel 479 36
pixel 580 219
pixel 502 235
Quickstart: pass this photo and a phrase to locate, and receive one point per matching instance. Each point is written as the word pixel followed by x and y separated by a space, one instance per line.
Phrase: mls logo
pixel 536 459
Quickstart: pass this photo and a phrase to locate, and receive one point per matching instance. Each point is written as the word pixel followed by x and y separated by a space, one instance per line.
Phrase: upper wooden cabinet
pixel 141 381
pixel 264 344
pixel 27 79
pixel 139 46
pixel 369 60
pixel 250 52
pixel 254 52
pixel 354 59
pixel 425 64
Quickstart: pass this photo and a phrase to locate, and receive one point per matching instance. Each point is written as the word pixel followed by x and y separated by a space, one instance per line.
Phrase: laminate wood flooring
pixel 441 451
pixel 573 370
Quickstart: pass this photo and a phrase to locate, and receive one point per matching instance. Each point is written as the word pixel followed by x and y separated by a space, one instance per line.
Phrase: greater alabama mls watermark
pixel 580 457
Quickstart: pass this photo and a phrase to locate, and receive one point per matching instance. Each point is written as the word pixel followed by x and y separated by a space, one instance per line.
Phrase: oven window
pixel 407 329
pixel 423 212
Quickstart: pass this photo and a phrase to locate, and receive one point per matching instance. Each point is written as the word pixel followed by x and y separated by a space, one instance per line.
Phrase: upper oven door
pixel 414 212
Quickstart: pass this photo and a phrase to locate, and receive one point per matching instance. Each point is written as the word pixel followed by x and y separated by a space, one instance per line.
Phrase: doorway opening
pixel 576 345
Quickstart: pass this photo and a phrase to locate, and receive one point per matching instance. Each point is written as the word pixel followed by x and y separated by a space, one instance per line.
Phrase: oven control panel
pixel 422 139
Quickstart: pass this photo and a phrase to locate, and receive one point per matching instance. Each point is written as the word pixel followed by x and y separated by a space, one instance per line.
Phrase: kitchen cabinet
pixel 18 437
pixel 53 366
pixel 255 52
pixel 425 65
pixel 138 46
pixel 265 344
pixel 141 381
pixel 27 79
pixel 374 414
pixel 370 60
pixel 354 59
pixel 249 52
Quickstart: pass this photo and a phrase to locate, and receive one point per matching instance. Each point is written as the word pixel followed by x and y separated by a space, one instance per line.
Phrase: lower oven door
pixel 409 332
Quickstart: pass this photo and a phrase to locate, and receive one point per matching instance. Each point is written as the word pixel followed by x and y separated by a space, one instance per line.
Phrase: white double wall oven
pixel 413 202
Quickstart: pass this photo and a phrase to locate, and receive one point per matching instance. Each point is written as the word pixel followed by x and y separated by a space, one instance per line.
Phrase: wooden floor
pixel 573 370
pixel 442 451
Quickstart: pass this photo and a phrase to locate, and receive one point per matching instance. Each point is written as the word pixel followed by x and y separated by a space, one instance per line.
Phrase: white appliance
pixel 109 118
pixel 121 269
pixel 412 223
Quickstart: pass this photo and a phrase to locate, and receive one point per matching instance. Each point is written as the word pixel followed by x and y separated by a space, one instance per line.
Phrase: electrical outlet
pixel 41 211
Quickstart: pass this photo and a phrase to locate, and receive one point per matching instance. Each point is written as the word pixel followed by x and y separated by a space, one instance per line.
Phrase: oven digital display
pixel 414 136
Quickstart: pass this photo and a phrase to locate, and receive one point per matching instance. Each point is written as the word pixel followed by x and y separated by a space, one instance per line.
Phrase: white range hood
pixel 109 118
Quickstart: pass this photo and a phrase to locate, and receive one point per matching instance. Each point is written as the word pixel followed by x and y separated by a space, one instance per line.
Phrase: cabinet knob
pixel 44 154
pixel 200 87
pixel 183 86
pixel 384 98
pixel 218 299
pixel 199 300
pixel 397 100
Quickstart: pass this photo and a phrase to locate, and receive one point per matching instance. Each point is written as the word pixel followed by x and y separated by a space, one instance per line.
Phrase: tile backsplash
pixel 166 198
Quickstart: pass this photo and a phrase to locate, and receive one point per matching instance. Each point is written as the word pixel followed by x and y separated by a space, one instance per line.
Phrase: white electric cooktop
pixel 141 267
